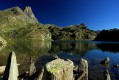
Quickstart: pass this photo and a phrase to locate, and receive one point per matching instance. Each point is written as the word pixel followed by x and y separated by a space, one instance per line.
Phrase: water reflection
pixel 24 50
pixel 92 51
pixel 69 47
pixel 110 47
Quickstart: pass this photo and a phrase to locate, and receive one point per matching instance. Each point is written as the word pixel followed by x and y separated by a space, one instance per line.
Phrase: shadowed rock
pixel 82 70
pixel 105 61
pixel 11 70
pixel 60 69
pixel 107 75
pixel 116 66
pixel 40 76
pixel 32 68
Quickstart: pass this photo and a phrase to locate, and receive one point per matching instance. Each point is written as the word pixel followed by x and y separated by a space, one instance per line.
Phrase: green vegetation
pixel 56 65
pixel 74 32
pixel 17 24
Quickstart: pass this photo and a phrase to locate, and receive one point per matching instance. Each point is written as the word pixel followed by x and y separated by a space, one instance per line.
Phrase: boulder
pixel 107 75
pixel 2 69
pixel 60 69
pixel 40 76
pixel 11 70
pixel 82 70
pixel 105 61
pixel 116 66
pixel 32 68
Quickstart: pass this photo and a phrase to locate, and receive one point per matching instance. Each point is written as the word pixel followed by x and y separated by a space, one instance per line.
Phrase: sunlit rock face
pixel 60 69
pixel 11 70
pixel 29 13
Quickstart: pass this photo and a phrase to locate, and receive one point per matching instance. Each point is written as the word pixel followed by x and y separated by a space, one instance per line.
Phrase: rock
pixel 11 70
pixel 29 13
pixel 17 11
pixel 76 68
pixel 116 66
pixel 32 68
pixel 41 74
pixel 55 56
pixel 2 69
pixel 105 61
pixel 107 75
pixel 24 75
pixel 60 69
pixel 83 70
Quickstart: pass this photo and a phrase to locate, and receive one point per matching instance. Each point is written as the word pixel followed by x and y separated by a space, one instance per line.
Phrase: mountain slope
pixel 74 32
pixel 16 23
pixel 108 35
pixel 13 18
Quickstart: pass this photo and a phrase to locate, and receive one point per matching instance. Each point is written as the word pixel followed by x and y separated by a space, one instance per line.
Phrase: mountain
pixel 16 23
pixel 108 35
pixel 74 32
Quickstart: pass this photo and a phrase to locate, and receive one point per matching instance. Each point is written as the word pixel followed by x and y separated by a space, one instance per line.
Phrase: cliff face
pixel 16 23
pixel 108 35
pixel 29 13
pixel 74 32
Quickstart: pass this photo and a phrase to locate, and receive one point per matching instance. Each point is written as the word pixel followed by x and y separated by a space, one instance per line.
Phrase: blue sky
pixel 96 14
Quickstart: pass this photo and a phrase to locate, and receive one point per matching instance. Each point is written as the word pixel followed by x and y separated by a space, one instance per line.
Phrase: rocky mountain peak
pixel 16 10
pixel 28 11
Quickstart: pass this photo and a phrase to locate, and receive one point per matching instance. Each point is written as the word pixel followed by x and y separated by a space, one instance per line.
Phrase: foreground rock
pixel 2 69
pixel 105 61
pixel 116 66
pixel 11 70
pixel 81 70
pixel 107 75
pixel 32 68
pixel 40 76
pixel 60 69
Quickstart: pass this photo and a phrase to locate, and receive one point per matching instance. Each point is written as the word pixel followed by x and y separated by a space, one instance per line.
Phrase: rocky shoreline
pixel 56 69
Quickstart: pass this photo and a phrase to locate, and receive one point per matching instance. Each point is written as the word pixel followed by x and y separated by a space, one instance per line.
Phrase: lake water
pixel 92 51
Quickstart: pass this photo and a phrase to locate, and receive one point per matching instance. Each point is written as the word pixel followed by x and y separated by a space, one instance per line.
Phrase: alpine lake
pixel 93 51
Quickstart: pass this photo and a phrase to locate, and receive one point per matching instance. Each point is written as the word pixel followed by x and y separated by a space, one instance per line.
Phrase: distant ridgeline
pixel 74 32
pixel 16 23
pixel 108 35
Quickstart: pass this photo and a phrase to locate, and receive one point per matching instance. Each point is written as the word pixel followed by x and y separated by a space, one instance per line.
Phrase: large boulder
pixel 60 69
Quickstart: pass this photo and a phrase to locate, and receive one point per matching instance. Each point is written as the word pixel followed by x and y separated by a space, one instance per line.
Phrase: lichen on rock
pixel 60 69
